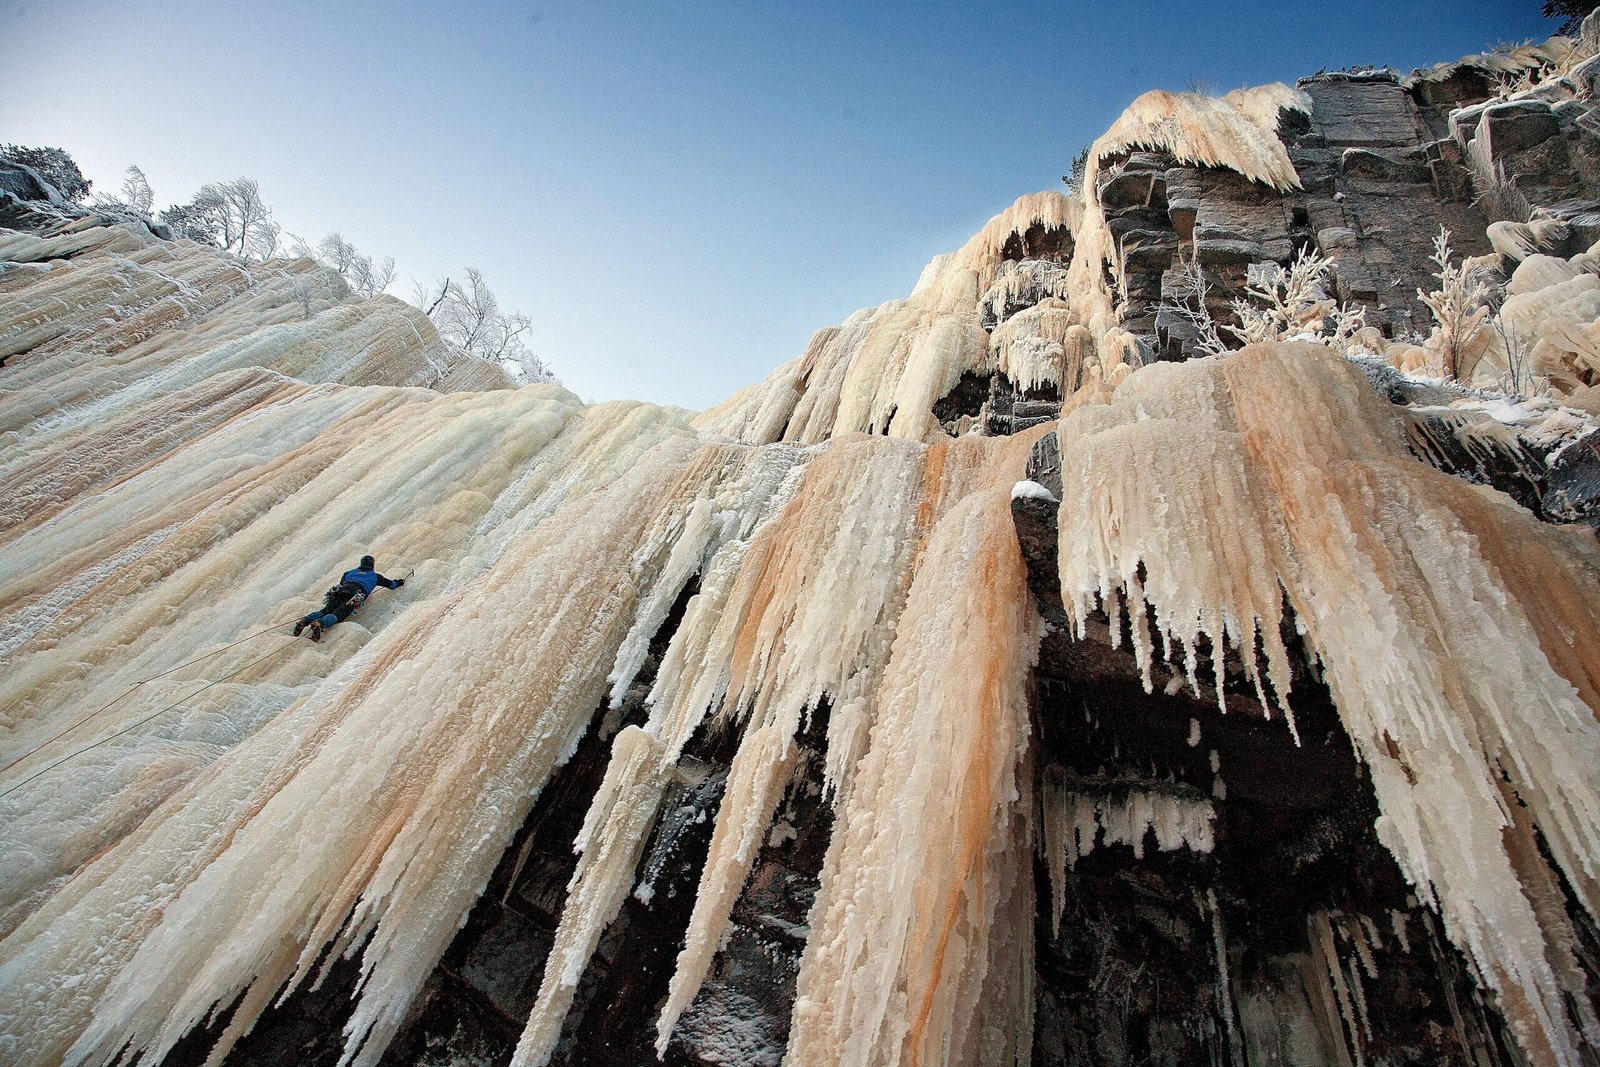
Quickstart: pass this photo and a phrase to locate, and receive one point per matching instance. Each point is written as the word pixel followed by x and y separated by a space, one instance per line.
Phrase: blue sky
pixel 677 193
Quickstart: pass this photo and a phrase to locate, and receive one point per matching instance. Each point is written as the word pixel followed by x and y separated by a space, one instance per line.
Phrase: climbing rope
pixel 131 688
pixel 170 670
pixel 141 722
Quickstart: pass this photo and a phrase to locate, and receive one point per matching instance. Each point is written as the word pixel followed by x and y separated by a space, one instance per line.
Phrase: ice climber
pixel 354 587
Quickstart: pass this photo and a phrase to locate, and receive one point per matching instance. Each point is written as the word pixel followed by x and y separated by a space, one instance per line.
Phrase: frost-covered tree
pixel 54 165
pixel 230 215
pixel 189 222
pixel 136 199
pixel 365 275
pixel 472 320
pixel 469 319
pixel 136 191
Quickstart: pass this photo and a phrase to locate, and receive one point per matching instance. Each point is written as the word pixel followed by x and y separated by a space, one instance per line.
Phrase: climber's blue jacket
pixel 368 579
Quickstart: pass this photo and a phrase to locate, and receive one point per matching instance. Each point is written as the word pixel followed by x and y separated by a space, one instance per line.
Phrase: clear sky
pixel 677 193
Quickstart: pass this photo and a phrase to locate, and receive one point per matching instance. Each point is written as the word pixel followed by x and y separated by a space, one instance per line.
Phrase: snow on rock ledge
pixel 1031 490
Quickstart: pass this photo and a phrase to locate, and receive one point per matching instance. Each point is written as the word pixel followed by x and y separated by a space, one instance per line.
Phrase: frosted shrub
pixel 1281 303
pixel 1460 305
pixel 1515 83
pixel 1519 378
pixel 1190 305
pixel 303 292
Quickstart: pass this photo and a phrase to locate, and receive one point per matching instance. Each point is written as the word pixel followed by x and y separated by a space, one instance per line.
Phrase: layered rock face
pixel 1002 681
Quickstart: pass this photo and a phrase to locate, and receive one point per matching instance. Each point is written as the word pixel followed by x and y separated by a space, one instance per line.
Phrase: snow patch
pixel 1028 489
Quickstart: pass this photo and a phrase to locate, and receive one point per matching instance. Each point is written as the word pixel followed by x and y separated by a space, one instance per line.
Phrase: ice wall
pixel 172 497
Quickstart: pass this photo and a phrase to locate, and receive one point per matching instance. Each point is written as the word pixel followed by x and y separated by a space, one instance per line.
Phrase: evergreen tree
pixel 53 165
pixel 1571 12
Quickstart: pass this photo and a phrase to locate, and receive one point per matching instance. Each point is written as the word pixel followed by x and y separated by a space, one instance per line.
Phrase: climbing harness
pixel 344 595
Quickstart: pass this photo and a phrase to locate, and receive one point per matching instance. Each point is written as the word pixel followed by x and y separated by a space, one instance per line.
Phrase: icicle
pixel 211 533
pixel 882 370
pixel 1345 993
pixel 1057 818
pixel 1219 949
pixel 901 929
pixel 1457 634
pixel 1152 485
pixel 1238 131
pixel 1397 923
pixel 1048 210
pixel 1075 820
pixel 688 554
pixel 1030 348
pixel 766 757
pixel 612 840
pixel 1505 62
pixel 999 1030
pixel 814 609
pixel 1018 284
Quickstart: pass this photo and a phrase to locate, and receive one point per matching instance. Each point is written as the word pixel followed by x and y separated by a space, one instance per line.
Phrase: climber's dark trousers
pixel 337 605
